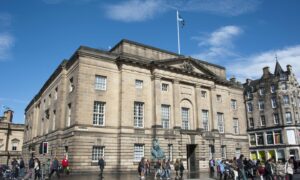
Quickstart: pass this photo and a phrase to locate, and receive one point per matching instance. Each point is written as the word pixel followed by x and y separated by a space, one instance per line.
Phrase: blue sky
pixel 243 36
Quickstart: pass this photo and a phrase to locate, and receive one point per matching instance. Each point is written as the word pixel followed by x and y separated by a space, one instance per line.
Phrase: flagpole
pixel 178 36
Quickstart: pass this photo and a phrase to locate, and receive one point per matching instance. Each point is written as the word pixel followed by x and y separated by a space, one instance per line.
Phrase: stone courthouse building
pixel 115 103
pixel 273 107
pixel 11 138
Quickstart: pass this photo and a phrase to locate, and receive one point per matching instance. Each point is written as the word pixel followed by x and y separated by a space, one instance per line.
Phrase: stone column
pixel 213 111
pixel 157 101
pixel 197 103
pixel 176 104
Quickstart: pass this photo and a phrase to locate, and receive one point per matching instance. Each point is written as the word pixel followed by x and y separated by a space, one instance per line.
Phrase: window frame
pixel 99 112
pixel 139 84
pixel 139 114
pixel 165 116
pixel 100 85
pixel 96 155
pixel 137 157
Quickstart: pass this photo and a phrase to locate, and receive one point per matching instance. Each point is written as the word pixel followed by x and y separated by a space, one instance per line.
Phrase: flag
pixel 181 21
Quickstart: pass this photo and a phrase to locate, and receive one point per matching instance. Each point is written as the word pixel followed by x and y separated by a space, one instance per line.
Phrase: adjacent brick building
pixel 115 103
pixel 273 107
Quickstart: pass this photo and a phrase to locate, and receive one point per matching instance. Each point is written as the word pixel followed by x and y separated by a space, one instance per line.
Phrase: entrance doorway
pixel 192 163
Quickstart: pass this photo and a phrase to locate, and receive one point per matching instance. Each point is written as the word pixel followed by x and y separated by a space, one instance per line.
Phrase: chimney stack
pixel 8 116
pixel 289 68
pixel 266 72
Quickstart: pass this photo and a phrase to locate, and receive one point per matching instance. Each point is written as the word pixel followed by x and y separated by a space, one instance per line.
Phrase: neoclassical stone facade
pixel 273 107
pixel 115 103
pixel 11 138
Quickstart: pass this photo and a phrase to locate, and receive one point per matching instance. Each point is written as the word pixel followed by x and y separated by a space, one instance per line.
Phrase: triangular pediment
pixel 186 64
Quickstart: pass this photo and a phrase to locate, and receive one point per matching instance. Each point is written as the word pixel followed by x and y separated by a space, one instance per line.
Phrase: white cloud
pixel 251 67
pixel 222 7
pixel 218 44
pixel 6 43
pixel 135 10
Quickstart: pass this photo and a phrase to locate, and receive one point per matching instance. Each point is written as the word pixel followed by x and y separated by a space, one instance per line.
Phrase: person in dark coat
pixel 54 168
pixel 101 164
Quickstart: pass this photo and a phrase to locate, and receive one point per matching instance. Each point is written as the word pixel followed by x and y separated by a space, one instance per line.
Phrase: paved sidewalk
pixel 129 176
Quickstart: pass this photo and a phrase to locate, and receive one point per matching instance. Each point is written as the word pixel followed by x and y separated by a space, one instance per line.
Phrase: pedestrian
pixel 235 168
pixel 269 171
pixel 54 168
pixel 241 167
pixel 289 169
pixel 177 166
pixel 280 174
pixel 101 164
pixel 168 169
pixel 14 167
pixel 65 165
pixel 141 168
pixel 37 168
pixel 211 167
pixel 221 168
pixel 148 165
pixel 22 167
pixel 157 169
pixel 30 171
pixel 181 169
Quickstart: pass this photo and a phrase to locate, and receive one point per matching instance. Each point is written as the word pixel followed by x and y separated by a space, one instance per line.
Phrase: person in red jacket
pixel 65 165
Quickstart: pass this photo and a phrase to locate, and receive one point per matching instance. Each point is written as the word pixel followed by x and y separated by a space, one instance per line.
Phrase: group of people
pixel 35 171
pixel 162 168
pixel 243 168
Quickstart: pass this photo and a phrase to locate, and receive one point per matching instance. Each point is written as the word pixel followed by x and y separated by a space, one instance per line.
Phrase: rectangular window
pixel 270 139
pixel 249 107
pixel 71 84
pixel 220 118
pixel 235 126
pixel 297 117
pixel 203 94
pixel 55 93
pixel 252 140
pixel 261 91
pixel 99 113
pixel 69 115
pixel 205 120
pixel 233 104
pixel 14 146
pixel 260 138
pixel 100 83
pixel 261 105
pixel 98 151
pixel 49 99
pixel 138 114
pixel 284 86
pixel 290 134
pixel 164 87
pixel 249 95
pixel 165 116
pixel 138 152
pixel 138 84
pixel 273 102
pixel 288 117
pixel 286 100
pixel 251 122
pixel 262 121
pixel 276 118
pixel 237 153
pixel 219 98
pixel 185 118
pixel 170 152
pixel 278 137
pixel 273 88
pixel 223 152
pixel 53 120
